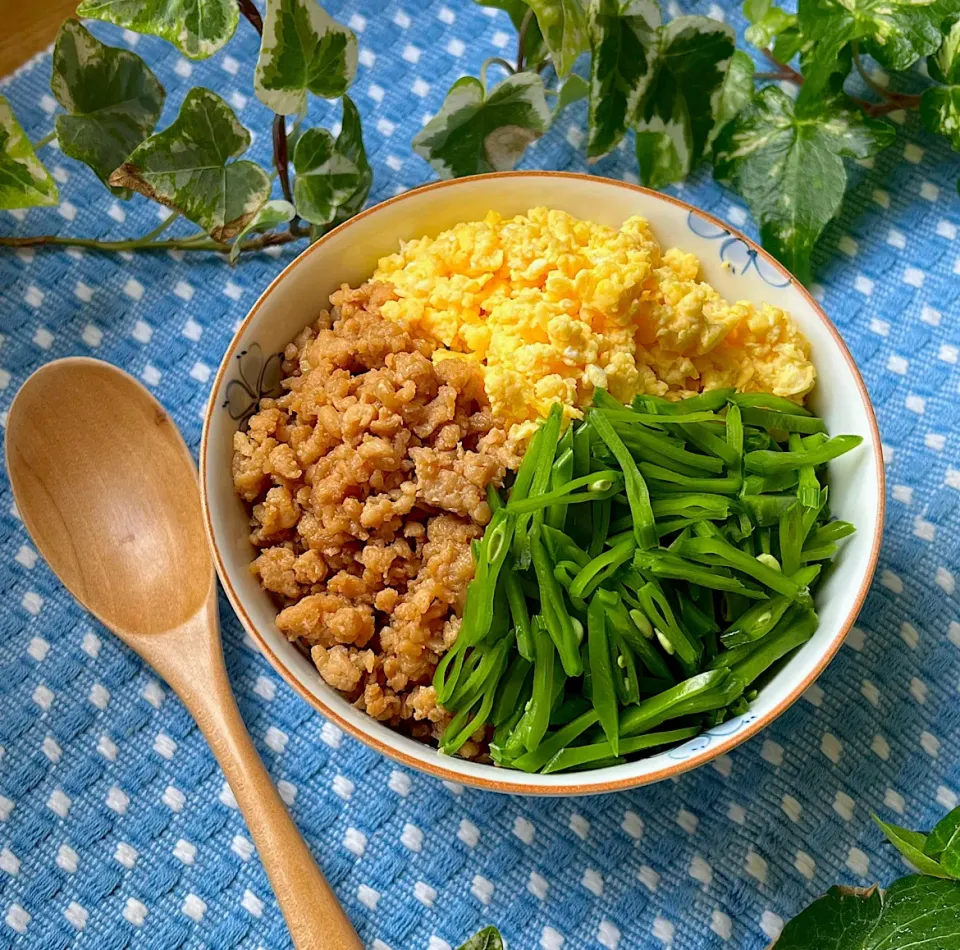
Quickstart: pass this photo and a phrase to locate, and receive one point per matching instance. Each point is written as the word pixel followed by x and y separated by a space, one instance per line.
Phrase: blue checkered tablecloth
pixel 115 826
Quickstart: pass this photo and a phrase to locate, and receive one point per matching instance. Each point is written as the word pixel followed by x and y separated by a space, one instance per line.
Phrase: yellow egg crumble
pixel 554 306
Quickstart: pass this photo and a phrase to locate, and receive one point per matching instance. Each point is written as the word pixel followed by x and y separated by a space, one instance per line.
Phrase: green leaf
pixel 788 44
pixel 573 89
pixel 624 40
pixel 303 49
pixel 198 28
pixel 534 51
pixel 474 133
pixel 564 28
pixel 732 94
pixel 911 844
pixel 788 165
pixel 943 843
pixel 944 65
pixel 488 939
pixel 840 920
pixel 915 911
pixel 112 98
pixel 673 111
pixel 186 168
pixel 273 213
pixel 24 182
pixel 766 22
pixel 350 145
pixel 940 112
pixel 895 32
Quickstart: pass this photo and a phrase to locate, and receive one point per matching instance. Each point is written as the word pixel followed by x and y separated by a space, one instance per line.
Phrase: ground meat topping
pixel 367 484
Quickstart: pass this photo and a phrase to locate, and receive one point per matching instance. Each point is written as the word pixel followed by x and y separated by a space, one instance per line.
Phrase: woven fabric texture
pixel 116 828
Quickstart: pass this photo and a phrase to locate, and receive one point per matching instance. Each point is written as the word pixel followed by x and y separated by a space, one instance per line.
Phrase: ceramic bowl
pixel 735 266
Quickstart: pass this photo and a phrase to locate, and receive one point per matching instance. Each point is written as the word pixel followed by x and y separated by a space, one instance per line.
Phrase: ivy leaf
pixel 624 40
pixel 272 214
pixel 732 94
pixel 894 32
pixel 474 132
pixel 573 90
pixel 533 48
pixel 914 911
pixel 185 167
pixel 24 182
pixel 672 111
pixel 766 22
pixel 564 28
pixel 788 165
pixel 940 105
pixel 943 843
pixel 488 939
pixel 198 28
pixel 325 177
pixel 112 98
pixel 944 65
pixel 911 845
pixel 350 146
pixel 303 48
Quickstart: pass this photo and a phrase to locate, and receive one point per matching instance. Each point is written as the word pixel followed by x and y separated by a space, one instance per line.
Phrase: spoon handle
pixel 314 916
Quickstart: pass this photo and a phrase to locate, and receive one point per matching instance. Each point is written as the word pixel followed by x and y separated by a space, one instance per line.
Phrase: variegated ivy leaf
pixel 517 10
pixel 564 28
pixel 787 162
pixel 733 93
pixel 474 132
pixel 24 182
pixel 268 217
pixel 112 99
pixel 624 39
pixel 940 105
pixel 303 49
pixel 895 32
pixel 573 90
pixel 198 28
pixel 672 111
pixel 767 22
pixel 186 167
pixel 333 176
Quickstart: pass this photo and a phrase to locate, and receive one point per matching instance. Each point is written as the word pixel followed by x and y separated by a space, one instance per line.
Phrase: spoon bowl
pixel 108 491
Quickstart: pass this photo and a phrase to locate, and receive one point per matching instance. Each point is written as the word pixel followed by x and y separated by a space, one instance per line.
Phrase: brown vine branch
pixel 522 37
pixel 146 243
pixel 252 14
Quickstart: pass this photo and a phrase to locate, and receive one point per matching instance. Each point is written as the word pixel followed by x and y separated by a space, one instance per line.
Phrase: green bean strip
pixel 538 480
pixel 583 755
pixel 558 622
pixel 765 484
pixel 560 476
pixel 674 524
pixel 782 421
pixel 647 418
pixel 561 547
pixel 740 561
pixel 832 531
pixel 626 627
pixel 539 757
pixel 478 612
pixel 643 453
pixel 771 648
pixel 510 689
pixel 735 437
pixel 580 521
pixel 710 400
pixel 600 516
pixel 808 485
pixel 768 401
pixel 624 668
pixel 644 527
pixel 672 638
pixel 727 485
pixel 820 552
pixel 670 566
pixel 755 622
pixel 593 574
pixel 599 485
pixel 604 696
pixel 634 436
pixel 766 510
pixel 520 614
pixel 707 441
pixel 694 506
pixel 765 462
pixel 791 524
pixel 657 709
pixel 467 692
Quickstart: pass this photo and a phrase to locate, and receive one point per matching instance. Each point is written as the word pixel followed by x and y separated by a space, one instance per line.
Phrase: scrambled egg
pixel 554 307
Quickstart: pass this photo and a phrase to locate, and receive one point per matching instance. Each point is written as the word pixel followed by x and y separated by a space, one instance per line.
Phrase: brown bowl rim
pixel 438 770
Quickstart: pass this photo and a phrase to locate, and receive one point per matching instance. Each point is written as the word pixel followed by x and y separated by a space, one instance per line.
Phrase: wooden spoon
pixel 108 491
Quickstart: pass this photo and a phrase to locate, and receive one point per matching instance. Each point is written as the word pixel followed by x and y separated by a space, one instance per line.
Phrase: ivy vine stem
pixel 902 100
pixel 46 140
pixel 522 36
pixel 147 242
